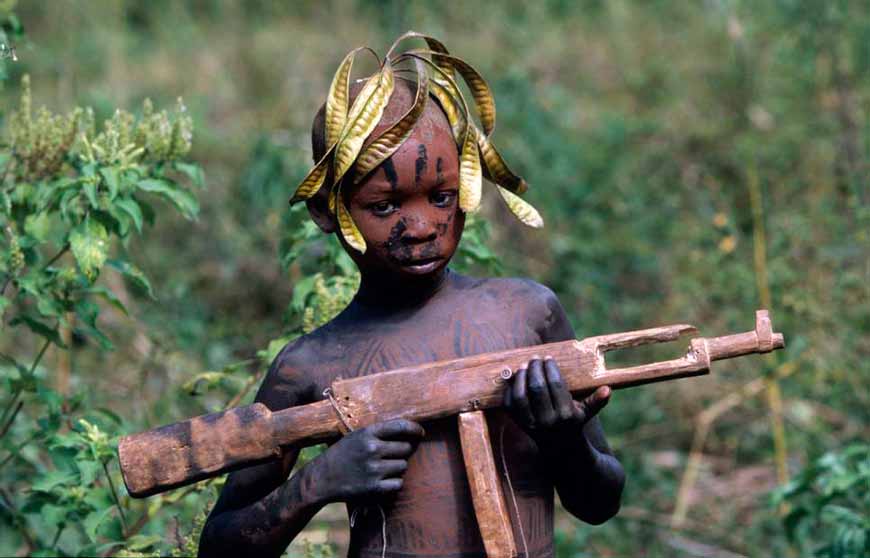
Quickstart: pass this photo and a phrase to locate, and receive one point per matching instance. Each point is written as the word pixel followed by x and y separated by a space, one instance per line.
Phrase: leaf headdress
pixel 348 125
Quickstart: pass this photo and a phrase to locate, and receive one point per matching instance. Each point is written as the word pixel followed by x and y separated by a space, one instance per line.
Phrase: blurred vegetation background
pixel 693 161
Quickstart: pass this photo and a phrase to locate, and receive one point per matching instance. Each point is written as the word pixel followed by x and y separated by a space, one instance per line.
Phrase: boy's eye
pixel 382 208
pixel 443 198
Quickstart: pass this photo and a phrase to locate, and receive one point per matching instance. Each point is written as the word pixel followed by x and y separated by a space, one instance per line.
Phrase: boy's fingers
pixel 539 394
pixel 396 449
pixel 562 401
pixel 397 428
pixel 386 486
pixel 520 400
pixel 391 467
pixel 590 406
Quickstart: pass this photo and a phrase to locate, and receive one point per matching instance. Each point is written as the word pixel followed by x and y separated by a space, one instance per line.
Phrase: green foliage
pixel 829 503
pixel 639 126
pixel 67 189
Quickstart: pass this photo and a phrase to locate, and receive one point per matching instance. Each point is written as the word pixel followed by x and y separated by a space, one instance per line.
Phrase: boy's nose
pixel 419 230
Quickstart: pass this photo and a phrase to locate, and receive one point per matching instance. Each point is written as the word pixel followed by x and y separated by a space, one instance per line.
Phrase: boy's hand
pixel 542 406
pixel 369 461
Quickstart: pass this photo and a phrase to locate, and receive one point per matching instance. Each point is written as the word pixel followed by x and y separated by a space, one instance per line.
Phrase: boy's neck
pixel 388 292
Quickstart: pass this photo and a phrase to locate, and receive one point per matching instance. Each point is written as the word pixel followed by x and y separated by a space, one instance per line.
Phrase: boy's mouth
pixel 421 265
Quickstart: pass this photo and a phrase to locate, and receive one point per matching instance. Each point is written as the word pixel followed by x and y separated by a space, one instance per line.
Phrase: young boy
pixel 405 483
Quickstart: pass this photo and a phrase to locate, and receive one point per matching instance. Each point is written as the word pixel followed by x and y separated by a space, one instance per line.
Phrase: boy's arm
pixel 588 478
pixel 260 510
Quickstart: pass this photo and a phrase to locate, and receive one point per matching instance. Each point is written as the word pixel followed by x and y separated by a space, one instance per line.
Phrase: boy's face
pixel 408 208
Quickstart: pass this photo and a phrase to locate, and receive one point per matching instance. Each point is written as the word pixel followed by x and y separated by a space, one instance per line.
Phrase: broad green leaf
pixel 109 297
pixel 142 542
pixel 48 306
pixel 38 225
pixel 93 521
pixel 194 172
pixel 46 482
pixel 88 312
pixel 89 243
pixel 39 328
pixel 184 201
pixel 112 178
pixel 53 515
pixel 88 471
pixel 4 304
pixel 134 274
pixel 90 189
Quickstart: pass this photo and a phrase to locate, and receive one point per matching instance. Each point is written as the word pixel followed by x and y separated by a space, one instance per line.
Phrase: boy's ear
pixel 318 208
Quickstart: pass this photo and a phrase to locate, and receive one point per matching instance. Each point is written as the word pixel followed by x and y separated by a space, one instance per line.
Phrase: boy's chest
pixel 429 337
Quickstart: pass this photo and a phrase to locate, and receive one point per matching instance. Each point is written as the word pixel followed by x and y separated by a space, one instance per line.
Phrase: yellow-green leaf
pixel 496 170
pixel 364 115
pixel 89 243
pixel 391 139
pixel 452 108
pixel 470 175
pixel 480 90
pixel 337 99
pixel 314 179
pixel 349 231
pixel 521 208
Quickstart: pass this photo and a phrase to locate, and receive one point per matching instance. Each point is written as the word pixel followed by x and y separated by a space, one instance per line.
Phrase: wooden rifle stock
pixel 210 445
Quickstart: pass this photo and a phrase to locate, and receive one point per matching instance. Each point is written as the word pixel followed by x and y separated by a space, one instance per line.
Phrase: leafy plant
pixel 69 193
pixel 829 504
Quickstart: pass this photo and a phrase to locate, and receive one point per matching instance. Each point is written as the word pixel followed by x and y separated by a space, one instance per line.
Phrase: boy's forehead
pixel 432 123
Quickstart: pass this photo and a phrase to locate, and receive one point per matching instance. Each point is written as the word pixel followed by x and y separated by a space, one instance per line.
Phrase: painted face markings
pixel 420 164
pixel 439 171
pixel 390 173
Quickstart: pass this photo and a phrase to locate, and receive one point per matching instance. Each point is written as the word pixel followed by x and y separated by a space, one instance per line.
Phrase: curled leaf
pixel 496 170
pixel 521 208
pixel 470 175
pixel 452 108
pixel 364 115
pixel 314 179
pixel 480 90
pixel 390 140
pixel 349 231
pixel 337 99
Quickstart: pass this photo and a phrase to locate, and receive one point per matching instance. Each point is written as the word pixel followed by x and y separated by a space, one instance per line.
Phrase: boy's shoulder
pixel 515 291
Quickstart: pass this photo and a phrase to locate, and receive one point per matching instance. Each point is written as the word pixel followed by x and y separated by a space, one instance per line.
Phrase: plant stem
pixel 117 500
pixel 60 529
pixel 18 389
pixel 19 520
pixel 8 424
pixel 774 394
pixel 56 256
pixel 239 396
pixel 15 451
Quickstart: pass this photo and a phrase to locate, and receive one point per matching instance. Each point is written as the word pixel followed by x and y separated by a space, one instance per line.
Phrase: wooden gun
pixel 206 446
pixel 202 447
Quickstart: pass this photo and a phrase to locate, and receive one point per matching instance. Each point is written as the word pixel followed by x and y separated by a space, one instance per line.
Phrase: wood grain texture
pixel 490 508
pixel 210 445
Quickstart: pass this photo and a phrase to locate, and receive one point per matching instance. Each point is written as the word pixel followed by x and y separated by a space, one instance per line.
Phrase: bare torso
pixel 432 514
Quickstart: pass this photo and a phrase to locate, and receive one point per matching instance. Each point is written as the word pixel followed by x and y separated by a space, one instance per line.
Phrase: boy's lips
pixel 421 265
